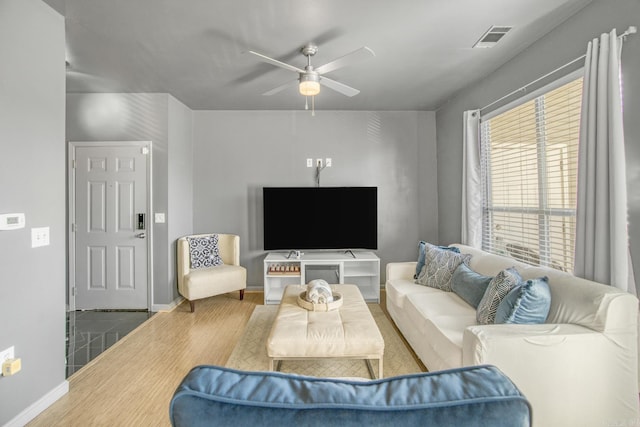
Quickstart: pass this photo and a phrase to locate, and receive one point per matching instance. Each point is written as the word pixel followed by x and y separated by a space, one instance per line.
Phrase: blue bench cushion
pixel 481 395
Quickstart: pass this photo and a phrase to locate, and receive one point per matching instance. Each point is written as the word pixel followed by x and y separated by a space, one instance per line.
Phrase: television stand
pixel 358 268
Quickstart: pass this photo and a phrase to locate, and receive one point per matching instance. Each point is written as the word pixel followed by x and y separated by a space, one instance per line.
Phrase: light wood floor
pixel 131 384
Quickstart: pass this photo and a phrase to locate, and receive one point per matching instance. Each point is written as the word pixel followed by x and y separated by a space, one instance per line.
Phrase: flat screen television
pixel 297 218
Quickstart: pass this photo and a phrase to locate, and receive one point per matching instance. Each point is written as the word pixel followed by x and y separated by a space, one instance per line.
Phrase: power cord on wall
pixel 318 170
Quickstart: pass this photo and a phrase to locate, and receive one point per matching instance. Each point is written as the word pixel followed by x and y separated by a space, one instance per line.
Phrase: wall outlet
pixel 309 163
pixel 159 218
pixel 11 367
pixel 7 354
pixel 319 163
pixel 328 162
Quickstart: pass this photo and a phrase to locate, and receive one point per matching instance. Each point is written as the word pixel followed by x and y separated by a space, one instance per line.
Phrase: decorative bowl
pixel 308 305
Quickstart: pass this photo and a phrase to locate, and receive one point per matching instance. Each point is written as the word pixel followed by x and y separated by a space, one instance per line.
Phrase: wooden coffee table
pixel 349 332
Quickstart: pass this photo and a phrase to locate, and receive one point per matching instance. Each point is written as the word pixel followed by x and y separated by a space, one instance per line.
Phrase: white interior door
pixel 111 221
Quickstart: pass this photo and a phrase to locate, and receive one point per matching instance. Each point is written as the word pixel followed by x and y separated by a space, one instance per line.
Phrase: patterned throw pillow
pixel 203 251
pixel 498 288
pixel 439 267
pixel 422 253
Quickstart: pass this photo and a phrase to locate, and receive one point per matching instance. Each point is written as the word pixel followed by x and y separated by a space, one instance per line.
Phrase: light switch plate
pixel 39 237
pixel 8 353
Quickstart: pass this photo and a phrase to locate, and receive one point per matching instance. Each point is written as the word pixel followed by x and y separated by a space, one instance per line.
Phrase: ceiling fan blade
pixel 338 87
pixel 276 62
pixel 281 88
pixel 350 58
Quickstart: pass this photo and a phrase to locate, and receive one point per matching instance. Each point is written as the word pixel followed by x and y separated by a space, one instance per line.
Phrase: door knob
pixel 141 235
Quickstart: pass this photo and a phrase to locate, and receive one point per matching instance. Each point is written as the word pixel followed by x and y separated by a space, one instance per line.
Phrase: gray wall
pixel 239 152
pixel 427 182
pixel 32 173
pixel 139 117
pixel 560 46
pixel 180 209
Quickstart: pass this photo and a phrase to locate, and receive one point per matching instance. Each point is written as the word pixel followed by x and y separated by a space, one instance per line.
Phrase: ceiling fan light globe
pixel 309 88
pixel 309 84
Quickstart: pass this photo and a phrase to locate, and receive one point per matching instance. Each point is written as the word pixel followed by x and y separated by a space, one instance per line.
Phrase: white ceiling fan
pixel 310 78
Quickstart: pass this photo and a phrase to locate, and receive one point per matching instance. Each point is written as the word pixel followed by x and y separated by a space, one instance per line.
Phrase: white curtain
pixel 602 243
pixel 471 181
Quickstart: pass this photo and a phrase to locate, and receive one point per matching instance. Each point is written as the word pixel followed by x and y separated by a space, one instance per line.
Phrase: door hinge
pixel 73 291
pixel 73 228
pixel 144 150
pixel 73 164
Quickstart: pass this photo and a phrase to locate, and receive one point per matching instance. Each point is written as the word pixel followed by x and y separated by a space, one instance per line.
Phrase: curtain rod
pixel 631 30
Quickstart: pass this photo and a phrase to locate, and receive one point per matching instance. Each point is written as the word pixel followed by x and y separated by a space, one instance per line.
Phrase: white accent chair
pixel 211 281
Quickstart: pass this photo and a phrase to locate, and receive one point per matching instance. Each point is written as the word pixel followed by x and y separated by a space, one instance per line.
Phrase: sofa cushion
pixel 498 288
pixel 203 251
pixel 422 252
pixel 398 289
pixel 465 397
pixel 228 278
pixel 443 317
pixel 527 303
pixel 469 285
pixel 577 300
pixel 439 267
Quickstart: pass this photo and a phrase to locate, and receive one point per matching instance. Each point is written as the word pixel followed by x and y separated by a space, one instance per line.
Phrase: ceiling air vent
pixel 492 36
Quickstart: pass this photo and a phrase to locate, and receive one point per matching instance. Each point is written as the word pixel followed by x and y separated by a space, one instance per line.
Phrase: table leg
pixel 371 371
pixel 372 374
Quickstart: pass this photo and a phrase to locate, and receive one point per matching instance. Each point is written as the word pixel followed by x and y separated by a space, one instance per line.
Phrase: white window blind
pixel 529 166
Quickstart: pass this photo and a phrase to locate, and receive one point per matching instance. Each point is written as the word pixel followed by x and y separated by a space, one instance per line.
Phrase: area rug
pixel 250 353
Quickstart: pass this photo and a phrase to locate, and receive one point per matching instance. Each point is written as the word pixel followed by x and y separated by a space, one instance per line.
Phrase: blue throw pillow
pixel 527 303
pixel 469 285
pixel 422 254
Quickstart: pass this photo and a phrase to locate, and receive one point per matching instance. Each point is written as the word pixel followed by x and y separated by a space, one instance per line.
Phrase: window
pixel 529 166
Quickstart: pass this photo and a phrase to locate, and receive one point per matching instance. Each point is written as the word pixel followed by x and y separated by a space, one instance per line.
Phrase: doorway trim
pixel 71 220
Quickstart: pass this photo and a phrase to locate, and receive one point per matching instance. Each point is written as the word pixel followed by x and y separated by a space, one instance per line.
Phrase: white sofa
pixel 577 369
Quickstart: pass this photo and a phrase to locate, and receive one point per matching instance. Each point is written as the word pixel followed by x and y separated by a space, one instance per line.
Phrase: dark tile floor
pixel 89 333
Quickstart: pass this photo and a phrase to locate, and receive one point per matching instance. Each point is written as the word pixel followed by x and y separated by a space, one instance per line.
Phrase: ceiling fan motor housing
pixel 309 49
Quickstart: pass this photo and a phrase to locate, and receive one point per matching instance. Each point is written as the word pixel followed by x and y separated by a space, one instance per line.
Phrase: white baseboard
pixel 40 405
pixel 176 302
pixel 167 307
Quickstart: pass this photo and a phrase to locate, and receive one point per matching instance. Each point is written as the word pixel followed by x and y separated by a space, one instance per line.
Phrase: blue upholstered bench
pixel 473 396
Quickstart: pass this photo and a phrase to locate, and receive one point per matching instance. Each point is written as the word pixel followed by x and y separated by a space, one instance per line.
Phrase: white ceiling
pixel 196 49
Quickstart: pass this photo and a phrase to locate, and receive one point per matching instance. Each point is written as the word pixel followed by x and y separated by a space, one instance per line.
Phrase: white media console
pixel 357 268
